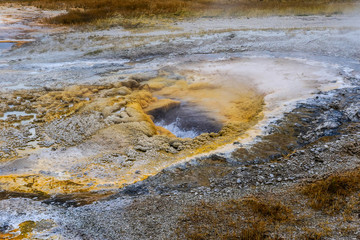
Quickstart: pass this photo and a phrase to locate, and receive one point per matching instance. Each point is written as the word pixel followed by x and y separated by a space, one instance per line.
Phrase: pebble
pixel 261 179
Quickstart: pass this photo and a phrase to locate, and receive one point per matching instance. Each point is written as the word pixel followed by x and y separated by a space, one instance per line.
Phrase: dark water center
pixel 187 120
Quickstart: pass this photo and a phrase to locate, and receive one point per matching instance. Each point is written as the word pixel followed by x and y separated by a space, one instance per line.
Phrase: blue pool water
pixel 5 46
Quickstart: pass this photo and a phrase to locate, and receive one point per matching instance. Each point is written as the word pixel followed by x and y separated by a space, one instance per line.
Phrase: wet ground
pixel 253 104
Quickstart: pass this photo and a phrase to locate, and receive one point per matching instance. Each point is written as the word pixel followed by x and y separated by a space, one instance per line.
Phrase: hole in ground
pixel 187 121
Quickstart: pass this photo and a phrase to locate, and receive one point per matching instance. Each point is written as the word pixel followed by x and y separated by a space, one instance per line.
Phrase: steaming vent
pixel 187 121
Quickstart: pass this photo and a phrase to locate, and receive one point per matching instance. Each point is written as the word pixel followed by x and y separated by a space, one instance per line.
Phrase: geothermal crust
pixel 101 137
pixel 91 137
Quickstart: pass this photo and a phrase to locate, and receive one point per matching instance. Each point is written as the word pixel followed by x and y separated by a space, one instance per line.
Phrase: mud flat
pixel 109 134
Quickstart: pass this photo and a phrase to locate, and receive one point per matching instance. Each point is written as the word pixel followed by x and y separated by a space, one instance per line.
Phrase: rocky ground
pixel 81 157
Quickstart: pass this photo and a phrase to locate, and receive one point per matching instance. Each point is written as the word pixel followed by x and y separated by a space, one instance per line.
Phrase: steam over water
pixel 175 128
pixel 188 121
